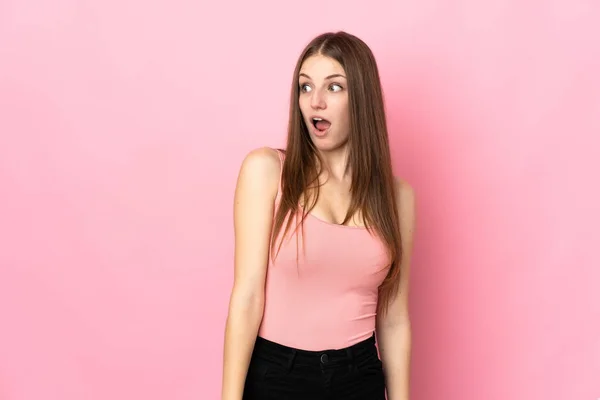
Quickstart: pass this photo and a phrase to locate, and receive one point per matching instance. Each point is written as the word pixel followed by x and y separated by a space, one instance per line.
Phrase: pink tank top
pixel 327 298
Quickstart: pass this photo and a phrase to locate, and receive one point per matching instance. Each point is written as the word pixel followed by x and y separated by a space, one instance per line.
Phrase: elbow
pixel 247 302
pixel 395 324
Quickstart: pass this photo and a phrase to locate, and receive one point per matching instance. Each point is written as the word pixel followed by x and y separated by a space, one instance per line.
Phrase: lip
pixel 312 127
pixel 310 122
pixel 317 116
pixel 317 132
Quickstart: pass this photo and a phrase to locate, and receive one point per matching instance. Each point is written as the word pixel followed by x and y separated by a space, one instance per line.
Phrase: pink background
pixel 122 129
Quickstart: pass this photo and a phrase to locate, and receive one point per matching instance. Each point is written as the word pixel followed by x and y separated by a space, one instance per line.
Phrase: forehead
pixel 319 66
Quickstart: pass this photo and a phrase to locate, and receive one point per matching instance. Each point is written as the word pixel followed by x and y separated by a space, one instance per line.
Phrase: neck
pixel 334 163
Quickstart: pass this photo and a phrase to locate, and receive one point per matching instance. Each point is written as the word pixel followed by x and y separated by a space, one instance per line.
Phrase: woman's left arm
pixel 393 329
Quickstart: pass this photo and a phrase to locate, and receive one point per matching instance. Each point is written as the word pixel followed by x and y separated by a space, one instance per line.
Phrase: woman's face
pixel 323 101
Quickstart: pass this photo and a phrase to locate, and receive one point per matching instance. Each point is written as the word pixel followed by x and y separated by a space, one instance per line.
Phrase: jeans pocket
pixel 262 369
pixel 372 363
pixel 257 370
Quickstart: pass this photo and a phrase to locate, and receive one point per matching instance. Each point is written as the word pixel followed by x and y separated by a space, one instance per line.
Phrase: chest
pixel 332 205
pixel 327 253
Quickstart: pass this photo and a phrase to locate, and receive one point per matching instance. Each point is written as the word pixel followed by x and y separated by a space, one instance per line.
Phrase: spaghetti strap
pixel 281 158
pixel 280 154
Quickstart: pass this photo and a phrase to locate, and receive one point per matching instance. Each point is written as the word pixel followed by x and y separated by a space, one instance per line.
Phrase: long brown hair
pixel 369 161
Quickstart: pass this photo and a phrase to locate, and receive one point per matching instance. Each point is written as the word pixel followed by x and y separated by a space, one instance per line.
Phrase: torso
pixel 332 203
pixel 325 295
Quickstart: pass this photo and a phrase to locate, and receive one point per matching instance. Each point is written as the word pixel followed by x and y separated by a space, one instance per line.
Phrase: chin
pixel 328 143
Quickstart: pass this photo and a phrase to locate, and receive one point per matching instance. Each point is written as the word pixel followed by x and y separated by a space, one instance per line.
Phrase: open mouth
pixel 321 124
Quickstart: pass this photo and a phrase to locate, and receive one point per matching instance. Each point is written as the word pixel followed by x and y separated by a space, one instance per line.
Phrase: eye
pixel 336 85
pixel 303 87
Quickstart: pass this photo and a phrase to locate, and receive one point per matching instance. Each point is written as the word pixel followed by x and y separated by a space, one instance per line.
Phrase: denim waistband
pixel 287 356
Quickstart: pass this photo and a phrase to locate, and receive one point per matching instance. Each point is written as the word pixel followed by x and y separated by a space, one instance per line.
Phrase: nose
pixel 317 100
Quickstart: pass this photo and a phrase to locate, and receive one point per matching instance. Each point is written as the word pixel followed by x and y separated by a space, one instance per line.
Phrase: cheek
pixel 303 104
pixel 344 114
pixel 342 110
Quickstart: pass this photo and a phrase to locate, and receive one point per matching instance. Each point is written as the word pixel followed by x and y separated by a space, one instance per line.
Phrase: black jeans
pixel 278 372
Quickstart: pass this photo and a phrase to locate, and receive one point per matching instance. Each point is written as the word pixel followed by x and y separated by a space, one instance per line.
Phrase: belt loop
pixel 291 360
pixel 350 355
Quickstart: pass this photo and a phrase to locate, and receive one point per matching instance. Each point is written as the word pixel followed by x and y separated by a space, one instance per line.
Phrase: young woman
pixel 323 240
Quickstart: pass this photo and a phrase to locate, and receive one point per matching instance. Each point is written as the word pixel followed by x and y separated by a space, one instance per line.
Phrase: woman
pixel 323 238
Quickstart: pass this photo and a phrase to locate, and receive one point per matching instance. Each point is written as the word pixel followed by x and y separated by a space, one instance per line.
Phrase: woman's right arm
pixel 255 193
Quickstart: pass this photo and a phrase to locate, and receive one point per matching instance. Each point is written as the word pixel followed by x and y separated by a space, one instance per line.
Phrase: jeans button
pixel 324 358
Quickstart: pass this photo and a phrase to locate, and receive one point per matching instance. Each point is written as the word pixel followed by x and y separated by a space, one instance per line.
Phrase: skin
pixel 323 92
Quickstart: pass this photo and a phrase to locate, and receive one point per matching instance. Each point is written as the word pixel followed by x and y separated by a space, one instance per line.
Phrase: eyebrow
pixel 329 77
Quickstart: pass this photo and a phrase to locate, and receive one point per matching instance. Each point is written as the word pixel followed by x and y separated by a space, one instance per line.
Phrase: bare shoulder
pixel 262 159
pixel 255 191
pixel 406 200
pixel 261 167
pixel 404 191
